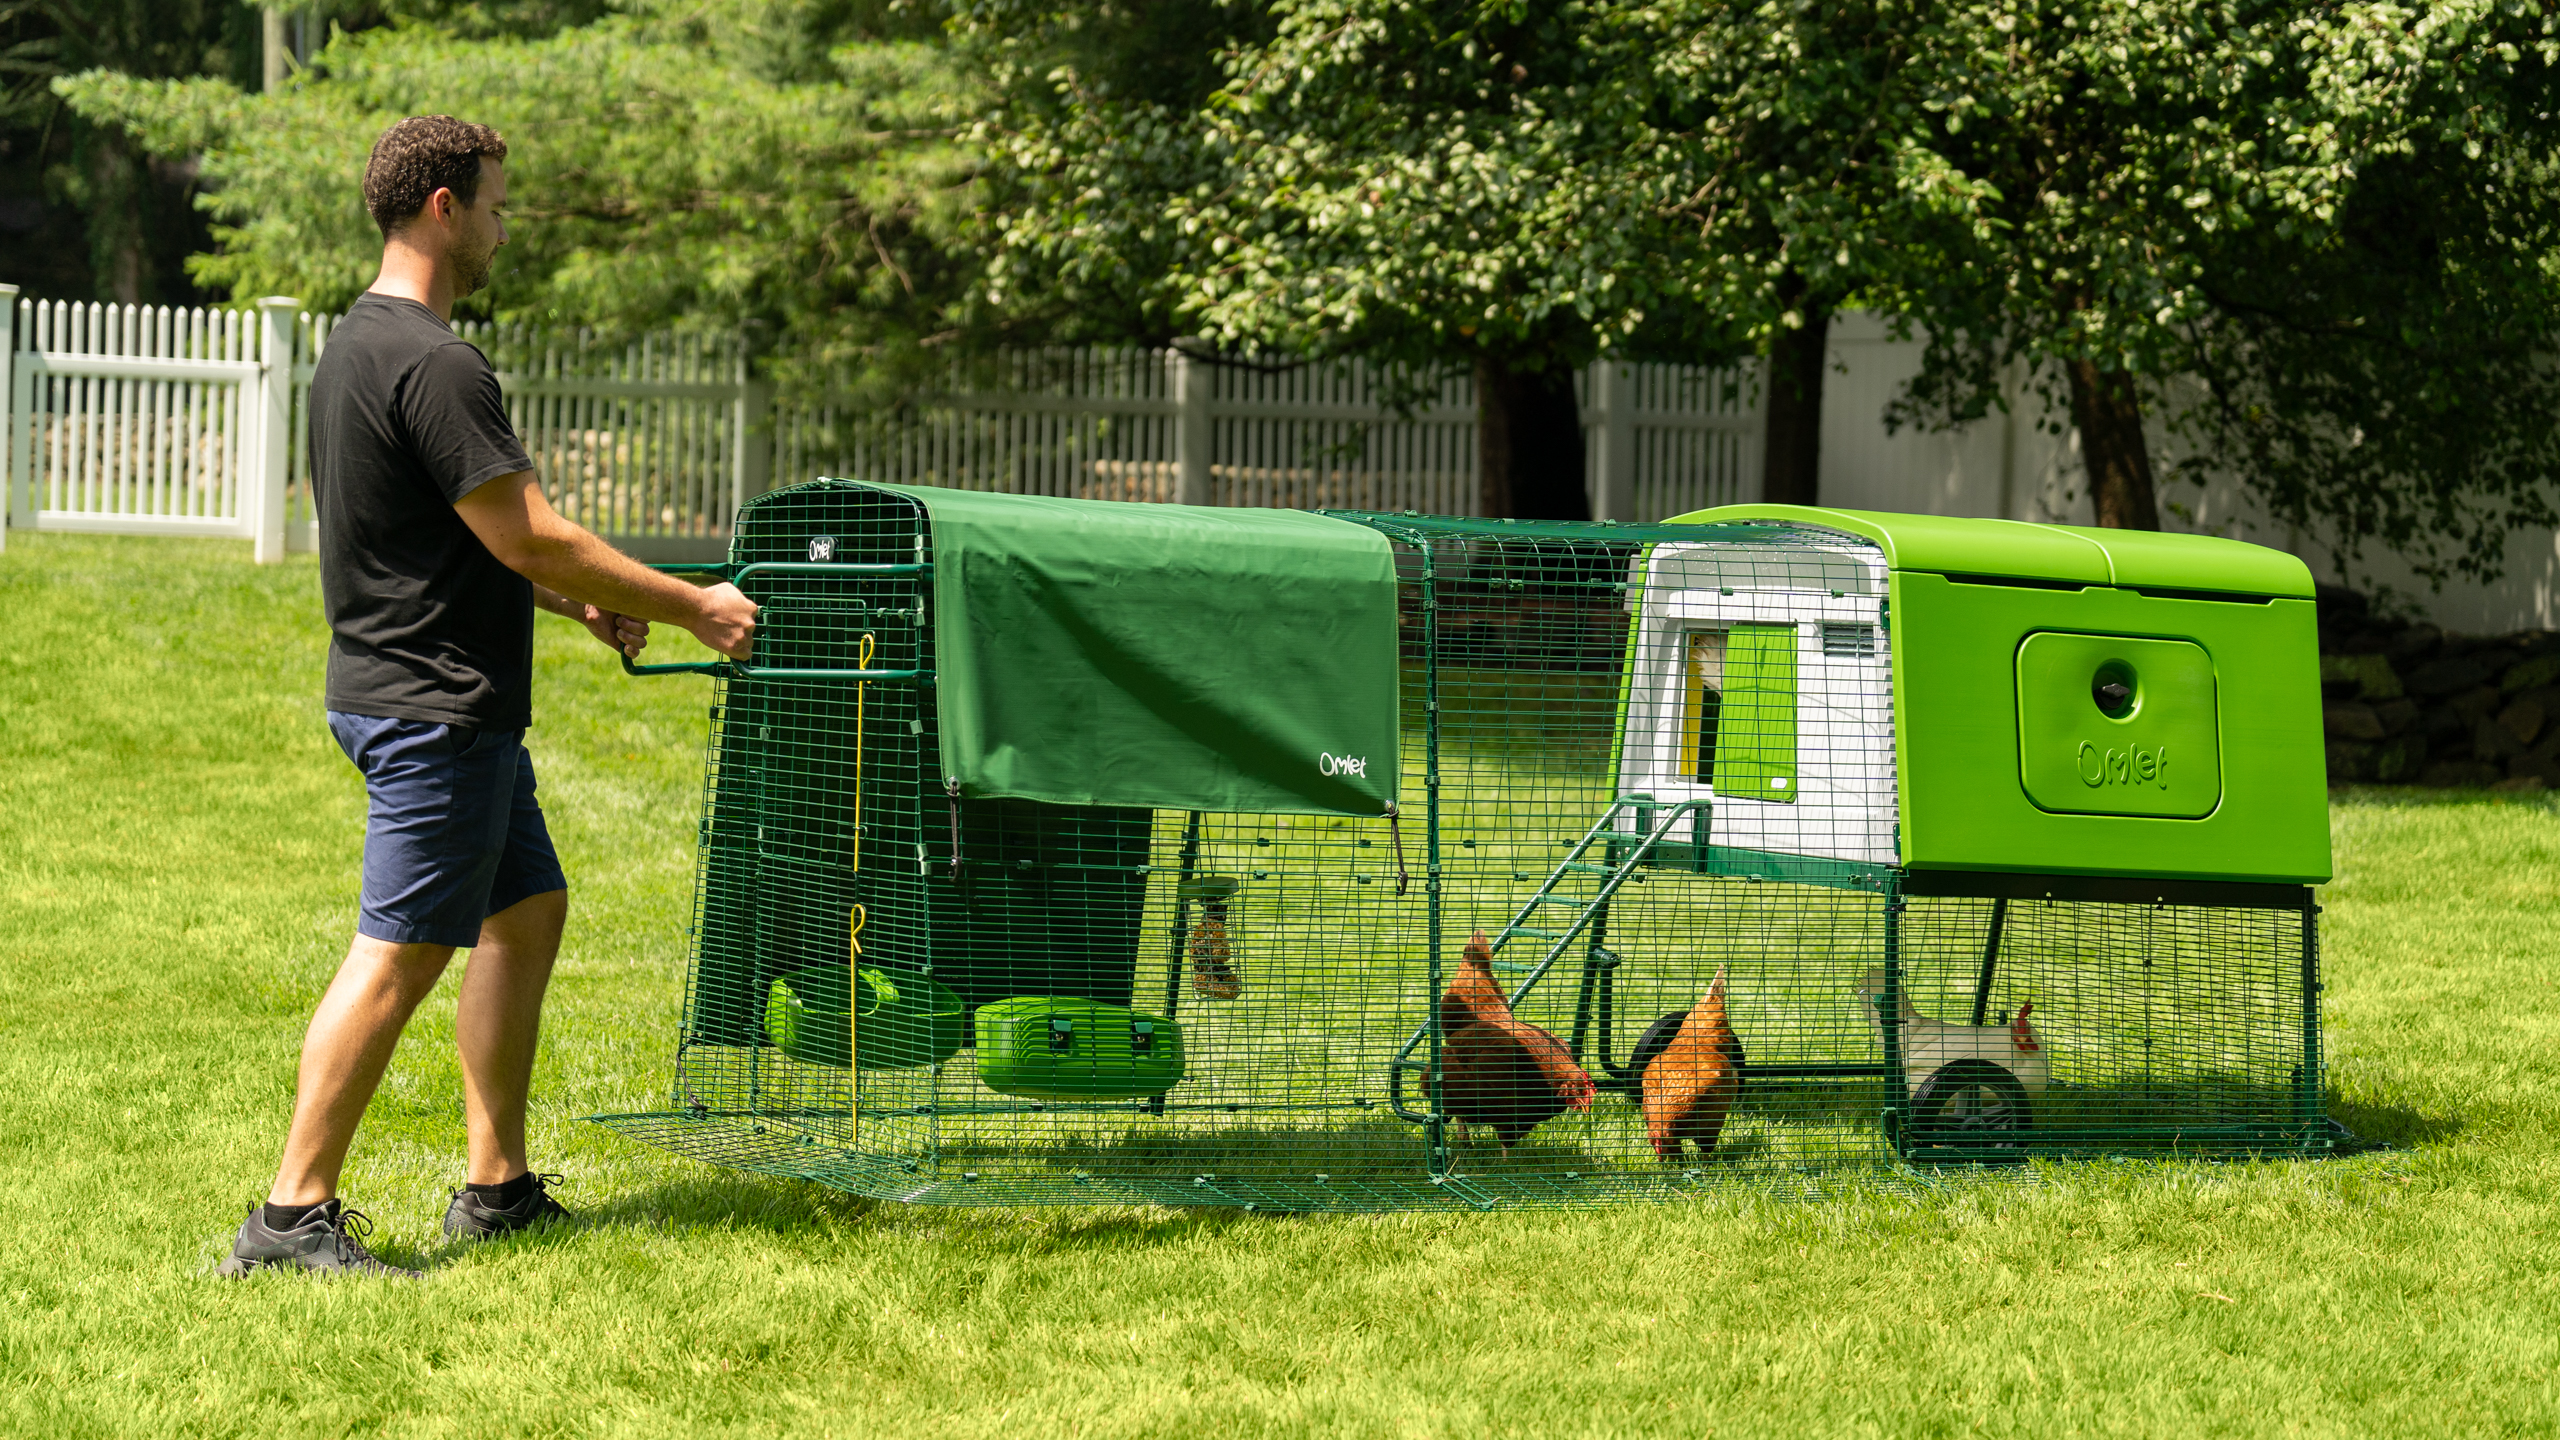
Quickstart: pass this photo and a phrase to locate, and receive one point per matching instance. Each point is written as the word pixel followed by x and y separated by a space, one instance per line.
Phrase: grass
pixel 177 876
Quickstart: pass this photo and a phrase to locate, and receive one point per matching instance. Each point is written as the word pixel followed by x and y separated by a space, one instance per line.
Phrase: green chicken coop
pixel 1082 851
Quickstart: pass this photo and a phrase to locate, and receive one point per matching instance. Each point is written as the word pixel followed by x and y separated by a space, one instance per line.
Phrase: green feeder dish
pixel 1057 1048
pixel 905 1021
pixel 1213 889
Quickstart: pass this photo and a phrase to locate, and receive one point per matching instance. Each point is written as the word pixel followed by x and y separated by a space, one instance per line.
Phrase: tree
pixel 2397 385
pixel 1797 156
pixel 2116 196
pixel 793 168
pixel 2335 217
pixel 1434 186
pixel 107 220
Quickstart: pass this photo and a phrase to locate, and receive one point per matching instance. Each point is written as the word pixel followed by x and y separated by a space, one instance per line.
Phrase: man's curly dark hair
pixel 421 155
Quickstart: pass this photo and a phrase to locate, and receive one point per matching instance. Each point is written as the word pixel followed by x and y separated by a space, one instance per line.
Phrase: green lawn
pixel 177 881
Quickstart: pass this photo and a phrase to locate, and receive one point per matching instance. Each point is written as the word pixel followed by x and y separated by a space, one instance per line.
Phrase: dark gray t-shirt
pixel 425 624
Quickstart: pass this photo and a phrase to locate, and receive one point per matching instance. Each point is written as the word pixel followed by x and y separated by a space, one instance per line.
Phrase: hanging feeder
pixel 1216 964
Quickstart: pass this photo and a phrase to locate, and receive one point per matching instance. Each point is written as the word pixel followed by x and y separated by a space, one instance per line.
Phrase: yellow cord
pixel 861 698
pixel 853 1017
pixel 853 932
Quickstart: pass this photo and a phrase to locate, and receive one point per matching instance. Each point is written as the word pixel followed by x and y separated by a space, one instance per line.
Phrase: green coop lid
pixel 1176 657
pixel 2020 550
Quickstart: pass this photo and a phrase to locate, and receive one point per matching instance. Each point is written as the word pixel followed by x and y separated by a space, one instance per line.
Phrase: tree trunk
pixel 2108 411
pixel 114 209
pixel 1791 460
pixel 1528 444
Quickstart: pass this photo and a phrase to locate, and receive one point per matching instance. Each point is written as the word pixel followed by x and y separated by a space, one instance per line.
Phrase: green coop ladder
pixel 1605 836
pixel 1654 819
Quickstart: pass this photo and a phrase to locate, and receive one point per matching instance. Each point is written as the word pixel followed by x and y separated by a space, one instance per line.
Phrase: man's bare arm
pixel 618 632
pixel 512 518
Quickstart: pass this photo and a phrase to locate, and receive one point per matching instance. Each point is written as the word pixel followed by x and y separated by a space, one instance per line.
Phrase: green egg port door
pixel 1060 851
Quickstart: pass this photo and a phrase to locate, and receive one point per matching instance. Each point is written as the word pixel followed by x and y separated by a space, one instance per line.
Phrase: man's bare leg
pixel 497 1025
pixel 344 1053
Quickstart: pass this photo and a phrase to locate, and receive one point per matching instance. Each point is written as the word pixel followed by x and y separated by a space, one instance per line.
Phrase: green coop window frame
pixel 1741 736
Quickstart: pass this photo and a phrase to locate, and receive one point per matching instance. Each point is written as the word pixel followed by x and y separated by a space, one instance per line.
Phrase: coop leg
pixel 1990 961
pixel 1897 1094
pixel 2311 1109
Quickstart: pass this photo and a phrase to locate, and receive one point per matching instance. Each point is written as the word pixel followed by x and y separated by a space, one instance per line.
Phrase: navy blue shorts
pixel 454 835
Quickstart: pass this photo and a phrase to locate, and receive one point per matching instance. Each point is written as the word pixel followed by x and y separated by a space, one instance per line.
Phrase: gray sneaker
pixel 471 1218
pixel 329 1241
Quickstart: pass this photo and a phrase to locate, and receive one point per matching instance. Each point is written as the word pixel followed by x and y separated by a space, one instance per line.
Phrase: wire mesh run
pixel 1640 931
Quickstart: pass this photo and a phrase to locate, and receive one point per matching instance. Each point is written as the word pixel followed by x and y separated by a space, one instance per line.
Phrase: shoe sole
pixel 236 1268
pixel 475 1232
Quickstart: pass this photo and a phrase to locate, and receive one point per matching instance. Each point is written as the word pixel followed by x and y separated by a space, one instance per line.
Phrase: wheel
pixel 1657 1038
pixel 1971 1106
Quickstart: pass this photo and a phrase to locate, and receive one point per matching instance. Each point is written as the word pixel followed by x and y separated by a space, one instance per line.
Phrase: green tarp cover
pixel 1179 657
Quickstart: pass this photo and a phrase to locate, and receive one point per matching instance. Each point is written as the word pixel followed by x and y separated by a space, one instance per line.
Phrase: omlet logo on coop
pixel 1355 765
pixel 2133 765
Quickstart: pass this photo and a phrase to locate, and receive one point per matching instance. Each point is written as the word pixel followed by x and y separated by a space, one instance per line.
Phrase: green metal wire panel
pixel 1109 1004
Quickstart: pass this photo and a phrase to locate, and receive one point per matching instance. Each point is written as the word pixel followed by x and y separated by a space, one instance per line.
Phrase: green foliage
pixel 471 19
pixel 787 168
pixel 2394 381
pixel 1088 133
pixel 1419 183
pixel 2335 217
pixel 157 38
pixel 115 226
pixel 178 881
pixel 2314 238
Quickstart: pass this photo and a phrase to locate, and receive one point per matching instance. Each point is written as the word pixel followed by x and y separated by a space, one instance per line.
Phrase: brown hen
pixel 1690 1087
pixel 1474 996
pixel 1496 1069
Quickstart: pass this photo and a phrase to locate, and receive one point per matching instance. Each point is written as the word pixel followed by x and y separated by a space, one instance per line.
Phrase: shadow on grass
pixel 2384 1125
pixel 789 1208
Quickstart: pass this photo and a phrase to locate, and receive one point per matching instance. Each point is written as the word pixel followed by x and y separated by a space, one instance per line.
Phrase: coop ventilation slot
pixel 1849 642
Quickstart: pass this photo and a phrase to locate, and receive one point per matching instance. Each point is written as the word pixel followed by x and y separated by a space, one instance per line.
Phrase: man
pixel 435 547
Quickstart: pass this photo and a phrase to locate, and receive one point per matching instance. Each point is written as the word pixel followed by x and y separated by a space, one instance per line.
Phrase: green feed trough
pixel 1080 852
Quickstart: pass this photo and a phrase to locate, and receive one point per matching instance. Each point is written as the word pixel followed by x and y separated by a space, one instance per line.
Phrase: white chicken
pixel 1930 1045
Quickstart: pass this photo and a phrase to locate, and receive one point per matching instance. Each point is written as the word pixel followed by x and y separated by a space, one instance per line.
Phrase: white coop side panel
pixel 1831 603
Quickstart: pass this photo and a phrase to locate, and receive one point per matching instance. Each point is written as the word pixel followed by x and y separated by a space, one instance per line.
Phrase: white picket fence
pixel 149 421
pixel 160 421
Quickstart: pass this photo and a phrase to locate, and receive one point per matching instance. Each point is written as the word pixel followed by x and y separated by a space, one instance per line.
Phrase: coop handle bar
pixel 732 670
pixel 736 574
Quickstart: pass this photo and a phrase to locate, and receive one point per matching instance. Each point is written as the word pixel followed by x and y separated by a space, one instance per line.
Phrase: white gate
pixel 148 420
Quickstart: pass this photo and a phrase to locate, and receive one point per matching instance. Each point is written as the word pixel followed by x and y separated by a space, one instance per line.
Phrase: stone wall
pixel 2406 703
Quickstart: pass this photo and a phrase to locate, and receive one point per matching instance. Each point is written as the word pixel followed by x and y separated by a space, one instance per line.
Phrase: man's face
pixel 478 229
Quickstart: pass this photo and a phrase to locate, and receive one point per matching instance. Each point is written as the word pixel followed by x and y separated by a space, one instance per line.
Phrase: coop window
pixel 1703 704
pixel 1850 642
